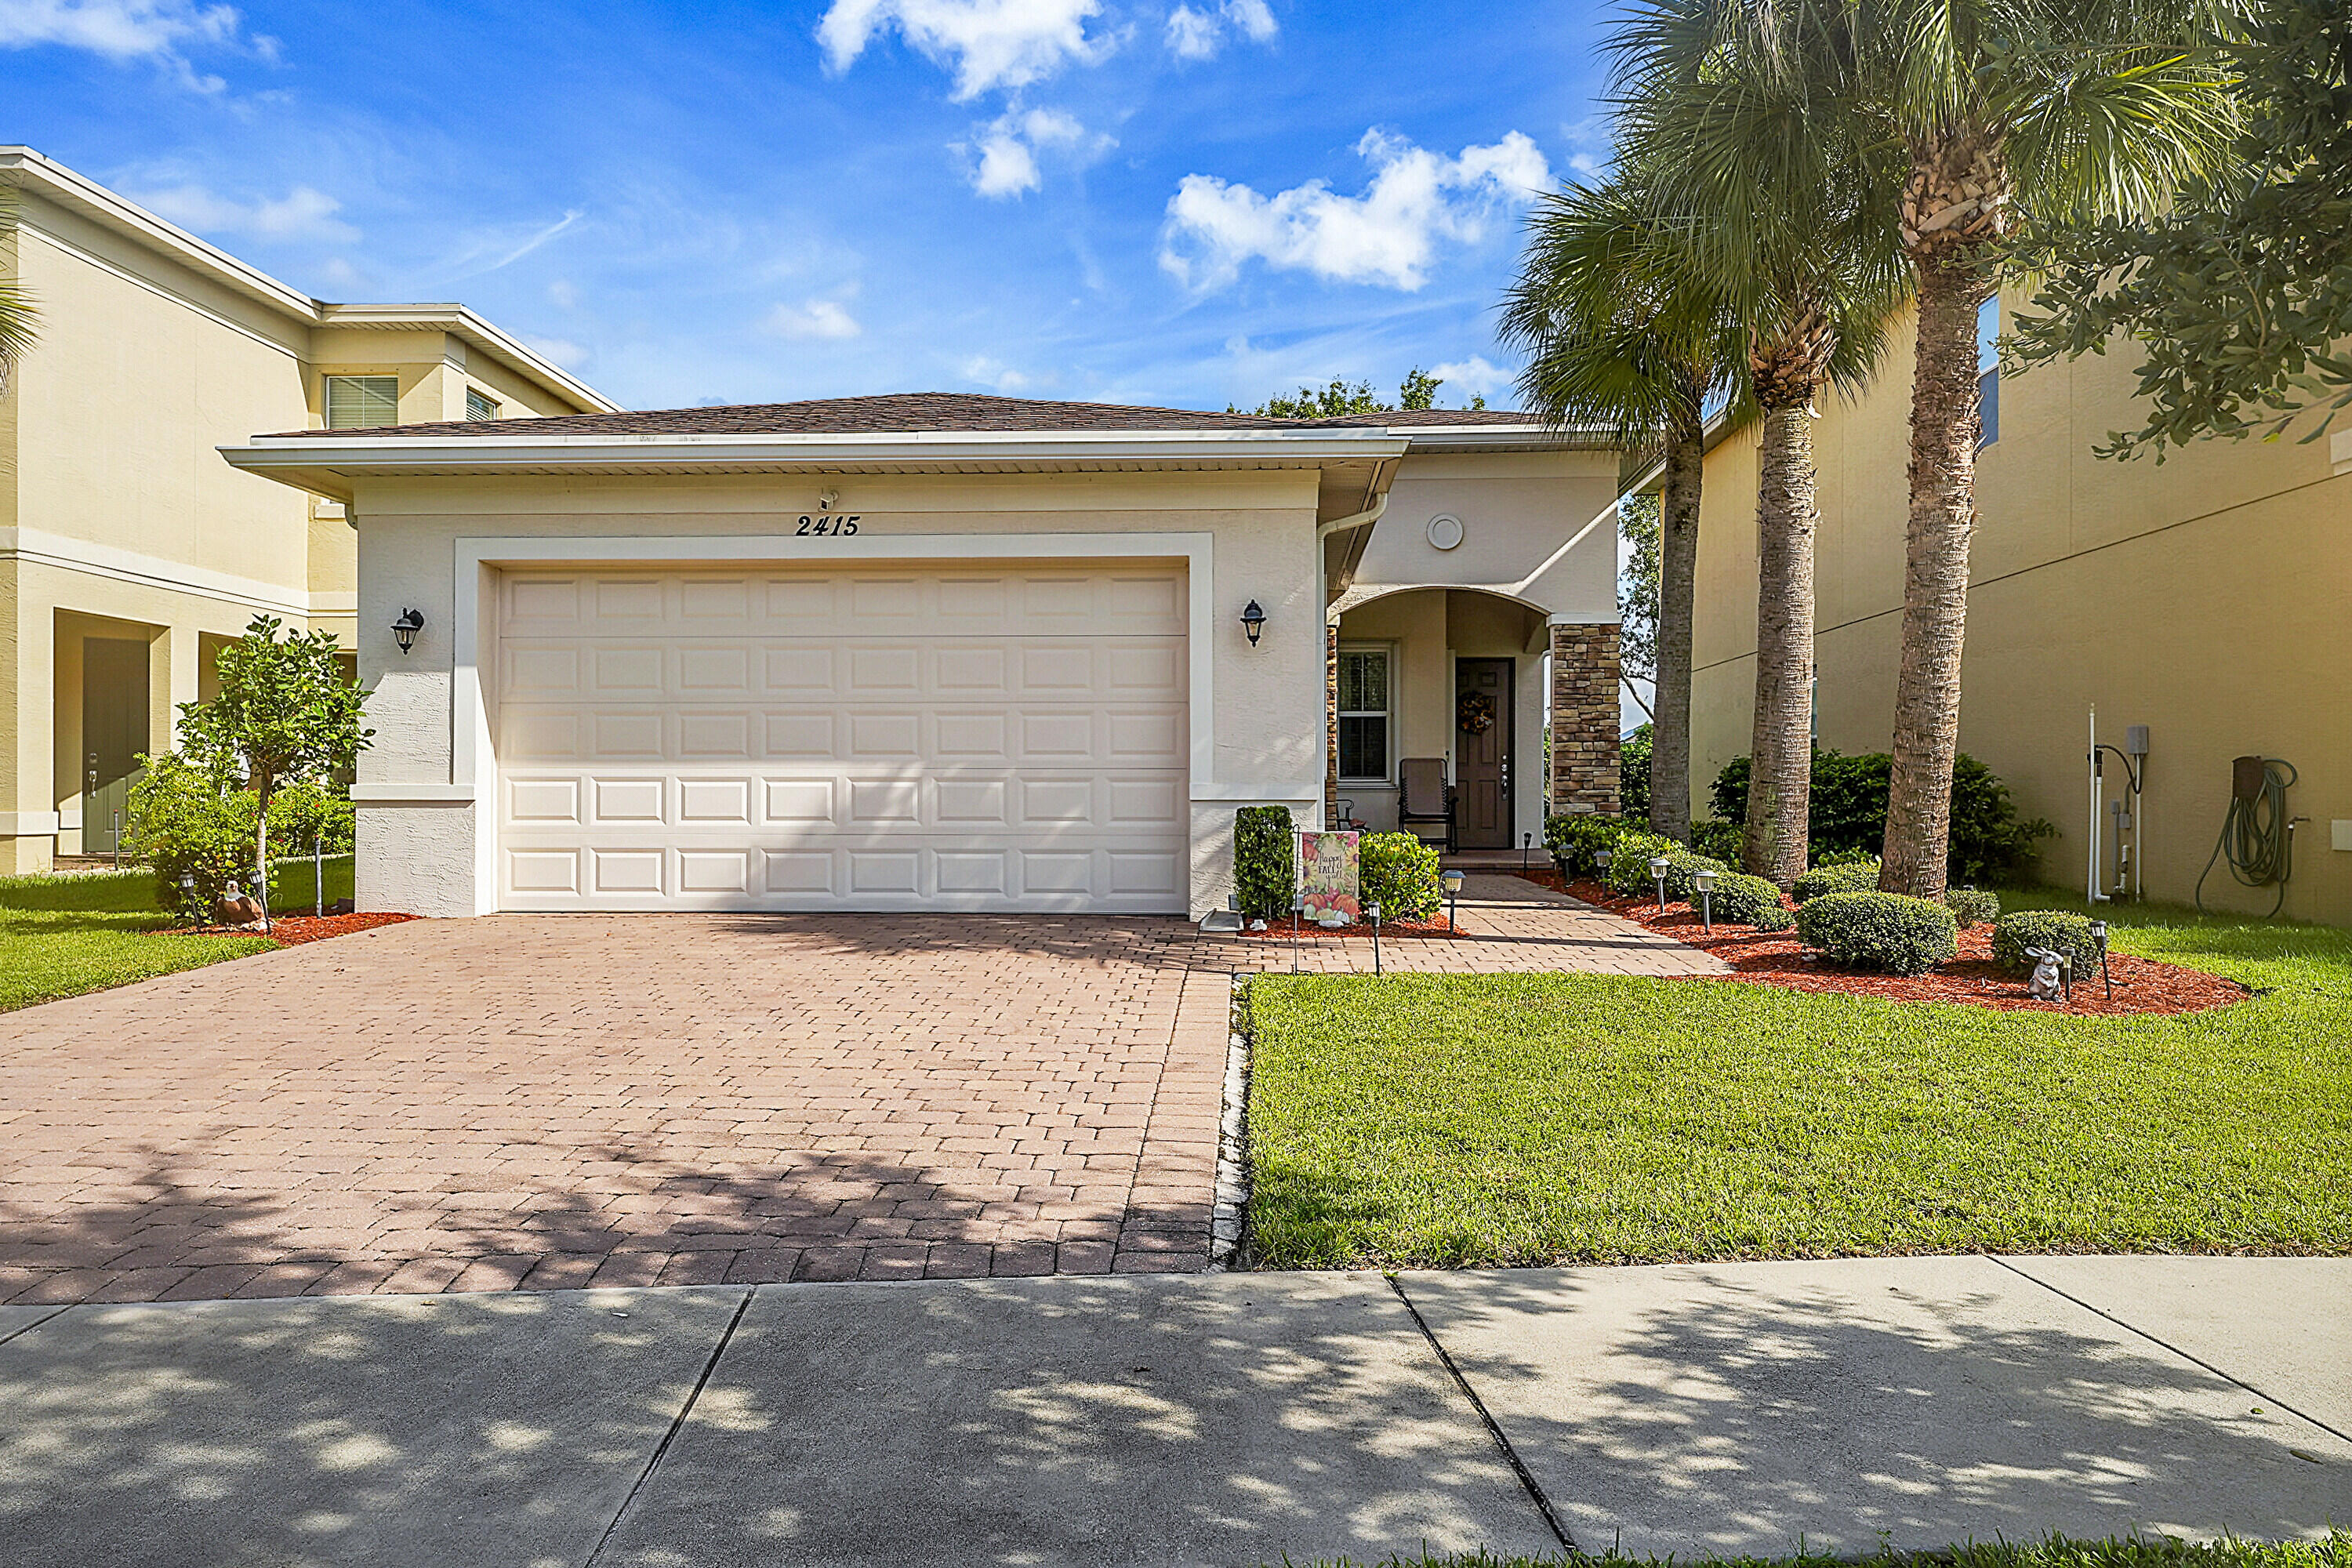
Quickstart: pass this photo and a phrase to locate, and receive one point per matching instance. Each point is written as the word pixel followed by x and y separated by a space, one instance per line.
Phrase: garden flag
pixel 1326 874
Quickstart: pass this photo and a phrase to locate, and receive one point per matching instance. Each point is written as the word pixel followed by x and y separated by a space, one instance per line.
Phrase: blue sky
pixel 1187 202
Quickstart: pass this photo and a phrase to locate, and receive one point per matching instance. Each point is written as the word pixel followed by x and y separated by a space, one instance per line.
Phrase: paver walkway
pixel 543 1101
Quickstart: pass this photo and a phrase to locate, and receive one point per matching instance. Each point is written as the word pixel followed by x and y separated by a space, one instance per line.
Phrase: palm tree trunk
pixel 1945 416
pixel 1670 736
pixel 1781 776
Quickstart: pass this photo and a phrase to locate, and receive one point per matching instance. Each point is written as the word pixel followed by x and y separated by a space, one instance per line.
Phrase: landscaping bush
pixel 1681 866
pixel 1574 837
pixel 1847 876
pixel 1882 931
pixel 2055 930
pixel 1849 812
pixel 1972 907
pixel 300 814
pixel 1265 871
pixel 1633 773
pixel 184 822
pixel 1747 900
pixel 1629 873
pixel 1720 839
pixel 1399 872
pixel 1842 856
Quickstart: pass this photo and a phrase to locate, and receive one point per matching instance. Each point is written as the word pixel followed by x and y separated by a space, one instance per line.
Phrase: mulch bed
pixel 290 930
pixel 1778 958
pixel 1310 931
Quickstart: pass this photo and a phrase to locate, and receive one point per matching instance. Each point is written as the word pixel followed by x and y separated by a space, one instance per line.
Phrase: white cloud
pixel 813 318
pixel 1196 35
pixel 302 214
pixel 1006 152
pixel 562 293
pixel 1389 235
pixel 556 351
pixel 1475 374
pixel 993 373
pixel 124 30
pixel 987 43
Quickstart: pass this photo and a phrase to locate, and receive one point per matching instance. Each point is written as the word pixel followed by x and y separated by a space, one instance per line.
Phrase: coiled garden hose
pixel 2257 835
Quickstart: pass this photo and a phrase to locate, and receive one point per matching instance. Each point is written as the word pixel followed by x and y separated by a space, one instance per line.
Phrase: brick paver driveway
pixel 554 1100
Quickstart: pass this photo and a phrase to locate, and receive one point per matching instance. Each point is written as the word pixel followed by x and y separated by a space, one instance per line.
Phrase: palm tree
pixel 17 308
pixel 2070 109
pixel 1622 333
pixel 1781 202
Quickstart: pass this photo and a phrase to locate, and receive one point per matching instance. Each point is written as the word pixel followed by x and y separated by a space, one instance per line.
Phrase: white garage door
pixel 934 738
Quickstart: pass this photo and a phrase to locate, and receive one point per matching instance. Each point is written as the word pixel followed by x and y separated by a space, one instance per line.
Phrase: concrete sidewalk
pixel 1221 1419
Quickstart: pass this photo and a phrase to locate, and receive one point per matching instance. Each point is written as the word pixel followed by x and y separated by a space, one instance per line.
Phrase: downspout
pixel 1323 531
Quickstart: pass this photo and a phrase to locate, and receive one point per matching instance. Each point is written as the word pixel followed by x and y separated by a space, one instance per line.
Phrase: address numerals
pixel 818 527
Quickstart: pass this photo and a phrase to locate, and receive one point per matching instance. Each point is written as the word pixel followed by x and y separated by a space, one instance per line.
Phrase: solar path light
pixel 1452 880
pixel 1704 882
pixel 1658 874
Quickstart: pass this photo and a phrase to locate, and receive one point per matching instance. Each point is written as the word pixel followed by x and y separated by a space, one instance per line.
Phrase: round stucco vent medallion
pixel 1445 531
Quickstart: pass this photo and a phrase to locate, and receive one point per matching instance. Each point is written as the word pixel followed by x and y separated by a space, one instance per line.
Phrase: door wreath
pixel 1476 713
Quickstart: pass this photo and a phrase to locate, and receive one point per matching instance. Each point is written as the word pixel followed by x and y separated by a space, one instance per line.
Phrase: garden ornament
pixel 2044 985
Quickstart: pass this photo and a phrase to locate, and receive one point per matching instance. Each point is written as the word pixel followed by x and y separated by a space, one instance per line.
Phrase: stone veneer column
pixel 1584 717
pixel 1331 726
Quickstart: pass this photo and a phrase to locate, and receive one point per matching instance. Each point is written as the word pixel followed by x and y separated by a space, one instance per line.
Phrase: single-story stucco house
pixel 953 653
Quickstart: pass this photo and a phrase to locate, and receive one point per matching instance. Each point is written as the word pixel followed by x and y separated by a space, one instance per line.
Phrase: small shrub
pixel 1744 900
pixel 1883 931
pixel 1265 871
pixel 1844 857
pixel 1719 839
pixel 185 823
pixel 1629 873
pixel 1574 837
pixel 2068 935
pixel 1681 866
pixel 1844 877
pixel 1399 872
pixel 1633 773
pixel 1972 906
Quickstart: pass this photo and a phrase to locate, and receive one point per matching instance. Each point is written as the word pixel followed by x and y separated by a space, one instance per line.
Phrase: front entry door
pixel 113 733
pixel 1482 753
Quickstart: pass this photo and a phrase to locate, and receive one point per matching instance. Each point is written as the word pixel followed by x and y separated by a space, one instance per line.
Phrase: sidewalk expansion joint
pixel 678 1424
pixel 1494 1430
pixel 2176 1350
pixel 37 1322
pixel 1229 1209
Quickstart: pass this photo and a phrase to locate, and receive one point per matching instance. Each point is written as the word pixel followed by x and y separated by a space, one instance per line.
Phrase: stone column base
pixel 1584 717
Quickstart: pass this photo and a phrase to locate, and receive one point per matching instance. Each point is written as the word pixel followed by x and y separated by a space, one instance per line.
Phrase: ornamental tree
pixel 284 713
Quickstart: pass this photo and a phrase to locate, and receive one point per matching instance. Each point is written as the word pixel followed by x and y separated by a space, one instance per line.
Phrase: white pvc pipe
pixel 2091 861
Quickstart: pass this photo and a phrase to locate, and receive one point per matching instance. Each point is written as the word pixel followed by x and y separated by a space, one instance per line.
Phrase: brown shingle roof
pixel 908 412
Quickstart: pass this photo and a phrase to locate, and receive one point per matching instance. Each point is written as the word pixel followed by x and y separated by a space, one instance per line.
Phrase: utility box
pixel 2339 834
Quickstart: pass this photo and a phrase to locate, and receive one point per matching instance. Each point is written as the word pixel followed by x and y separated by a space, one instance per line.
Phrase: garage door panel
pixel 966 739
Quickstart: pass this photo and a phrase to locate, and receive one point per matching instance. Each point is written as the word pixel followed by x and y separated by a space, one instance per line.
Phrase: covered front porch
pixel 1469 702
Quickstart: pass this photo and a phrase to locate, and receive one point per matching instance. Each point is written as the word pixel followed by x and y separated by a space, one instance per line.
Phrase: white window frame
pixel 1387 650
pixel 327 399
pixel 491 408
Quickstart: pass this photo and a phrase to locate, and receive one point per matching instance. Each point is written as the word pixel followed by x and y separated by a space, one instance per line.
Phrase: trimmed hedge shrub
pixel 1849 812
pixel 1399 872
pixel 1972 906
pixel 1844 877
pixel 1266 870
pixel 1629 874
pixel 1575 836
pixel 1882 931
pixel 1746 901
pixel 2053 928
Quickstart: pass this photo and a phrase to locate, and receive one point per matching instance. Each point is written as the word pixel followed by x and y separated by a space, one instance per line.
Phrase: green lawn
pixel 60 936
pixel 2135 1551
pixel 1457 1120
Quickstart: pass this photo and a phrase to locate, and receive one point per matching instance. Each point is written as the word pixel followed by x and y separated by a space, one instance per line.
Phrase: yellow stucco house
pixel 127 549
pixel 2208 599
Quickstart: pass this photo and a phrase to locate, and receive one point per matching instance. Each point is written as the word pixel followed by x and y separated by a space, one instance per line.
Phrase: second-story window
pixel 360 402
pixel 480 405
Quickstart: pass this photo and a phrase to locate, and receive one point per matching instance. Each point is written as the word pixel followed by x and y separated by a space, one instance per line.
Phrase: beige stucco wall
pixel 2209 598
pixel 420 854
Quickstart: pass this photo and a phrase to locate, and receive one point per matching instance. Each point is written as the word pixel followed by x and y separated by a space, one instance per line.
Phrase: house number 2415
pixel 819 526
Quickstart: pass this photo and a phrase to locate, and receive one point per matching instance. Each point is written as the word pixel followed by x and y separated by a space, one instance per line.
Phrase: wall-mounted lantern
pixel 1253 622
pixel 405 630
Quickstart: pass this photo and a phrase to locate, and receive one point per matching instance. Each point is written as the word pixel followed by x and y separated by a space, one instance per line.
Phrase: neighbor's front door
pixel 1482 753
pixel 113 733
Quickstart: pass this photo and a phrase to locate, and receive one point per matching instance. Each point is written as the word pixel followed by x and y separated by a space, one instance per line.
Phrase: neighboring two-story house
pixel 128 550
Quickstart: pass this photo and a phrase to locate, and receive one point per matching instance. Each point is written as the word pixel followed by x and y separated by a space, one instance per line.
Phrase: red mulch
pixel 289 931
pixel 1777 958
pixel 1309 930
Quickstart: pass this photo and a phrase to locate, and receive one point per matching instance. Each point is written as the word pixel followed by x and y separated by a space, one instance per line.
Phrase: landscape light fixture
pixel 1602 860
pixel 1253 621
pixel 1704 882
pixel 1374 910
pixel 1527 843
pixel 1452 880
pixel 2099 935
pixel 405 630
pixel 1658 874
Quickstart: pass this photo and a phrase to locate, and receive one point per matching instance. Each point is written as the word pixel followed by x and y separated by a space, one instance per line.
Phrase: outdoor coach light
pixel 1253 622
pixel 405 630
